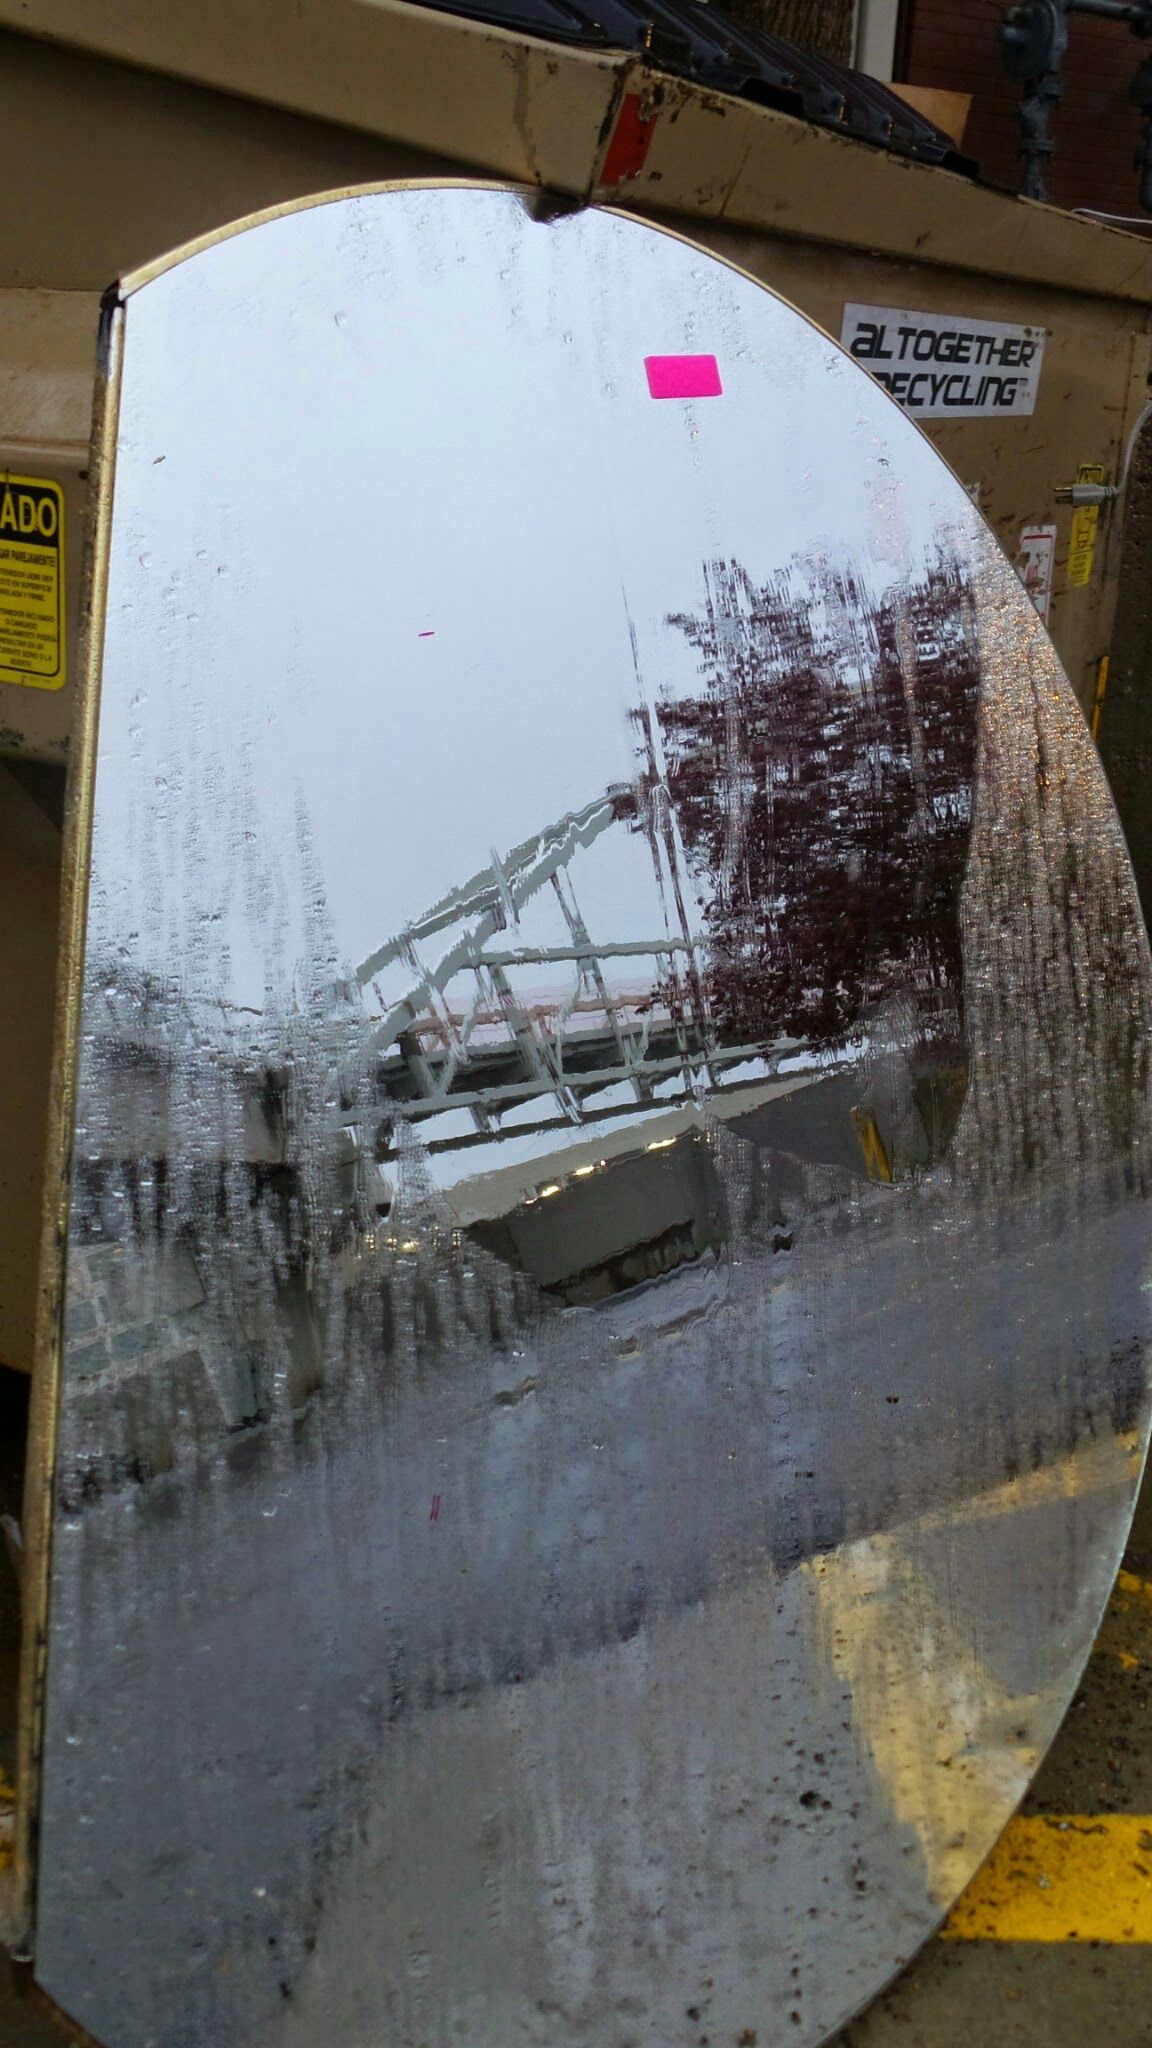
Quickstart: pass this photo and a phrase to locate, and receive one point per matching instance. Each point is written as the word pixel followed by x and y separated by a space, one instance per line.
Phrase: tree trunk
pixel 822 26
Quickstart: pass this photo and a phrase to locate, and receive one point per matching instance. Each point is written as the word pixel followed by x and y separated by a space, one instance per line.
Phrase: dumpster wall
pixel 109 165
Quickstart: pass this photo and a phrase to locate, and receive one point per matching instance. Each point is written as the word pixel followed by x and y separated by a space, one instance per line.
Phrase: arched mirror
pixel 604 1300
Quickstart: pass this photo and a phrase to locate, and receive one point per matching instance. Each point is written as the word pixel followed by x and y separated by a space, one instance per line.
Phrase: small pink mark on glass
pixel 683 376
pixel 434 1515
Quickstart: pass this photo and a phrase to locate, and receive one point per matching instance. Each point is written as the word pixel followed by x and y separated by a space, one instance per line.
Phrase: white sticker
pixel 944 366
pixel 1034 563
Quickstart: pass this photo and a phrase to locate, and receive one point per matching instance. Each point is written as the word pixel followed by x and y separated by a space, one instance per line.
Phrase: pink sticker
pixel 683 376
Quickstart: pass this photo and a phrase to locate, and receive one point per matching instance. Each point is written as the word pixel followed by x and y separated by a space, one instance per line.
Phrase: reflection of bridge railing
pixel 498 1050
pixel 472 1068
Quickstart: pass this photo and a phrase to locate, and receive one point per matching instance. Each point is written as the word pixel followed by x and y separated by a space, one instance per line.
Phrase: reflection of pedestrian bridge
pixel 497 1015
pixel 476 1038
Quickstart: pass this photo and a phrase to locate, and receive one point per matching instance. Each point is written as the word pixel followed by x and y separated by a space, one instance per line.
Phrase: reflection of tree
pixel 821 785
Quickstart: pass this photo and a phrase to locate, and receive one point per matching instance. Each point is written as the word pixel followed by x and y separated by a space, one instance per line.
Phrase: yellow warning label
pixel 1085 521
pixel 31 582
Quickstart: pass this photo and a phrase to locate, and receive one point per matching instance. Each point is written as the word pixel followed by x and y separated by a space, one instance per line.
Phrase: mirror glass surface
pixel 605 1340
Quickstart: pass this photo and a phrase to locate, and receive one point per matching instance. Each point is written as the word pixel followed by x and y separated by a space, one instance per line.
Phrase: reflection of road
pixel 847 1728
pixel 494 1554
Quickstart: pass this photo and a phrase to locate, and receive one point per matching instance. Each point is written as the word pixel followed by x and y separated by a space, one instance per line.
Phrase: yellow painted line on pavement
pixel 1062 1877
pixel 1113 1462
pixel 951 1742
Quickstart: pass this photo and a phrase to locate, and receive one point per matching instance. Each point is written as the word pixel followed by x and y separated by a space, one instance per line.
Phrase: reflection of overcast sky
pixel 423 414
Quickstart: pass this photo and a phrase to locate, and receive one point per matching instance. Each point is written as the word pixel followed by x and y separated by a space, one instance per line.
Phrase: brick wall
pixel 953 43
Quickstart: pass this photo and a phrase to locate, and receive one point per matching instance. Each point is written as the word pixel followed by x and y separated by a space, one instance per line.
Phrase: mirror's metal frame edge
pixel 17 1899
pixel 307 202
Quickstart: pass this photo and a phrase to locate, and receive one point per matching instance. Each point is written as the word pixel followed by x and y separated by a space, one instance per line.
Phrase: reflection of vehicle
pixel 609 1206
